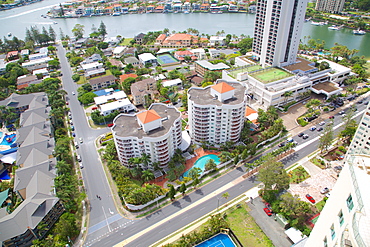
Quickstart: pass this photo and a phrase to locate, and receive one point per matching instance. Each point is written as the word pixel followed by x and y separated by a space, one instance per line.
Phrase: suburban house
pixel 214 53
pixel 25 52
pixel 12 55
pixel 179 40
pixel 115 101
pixel 25 80
pixel 37 56
pixel 172 83
pixel 102 82
pixel 130 51
pixel 141 89
pixel 180 55
pixel 139 38
pixel 116 63
pixel 93 69
pixel 123 77
pixel 201 67
pixel 147 58
pixel 132 60
pixel 217 40
pixel 118 51
pixel 200 53
pixel 159 40
pixel 36 64
pixel 43 72
pixel 92 59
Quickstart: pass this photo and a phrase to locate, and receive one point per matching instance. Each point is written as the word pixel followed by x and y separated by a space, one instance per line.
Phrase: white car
pixel 322 123
pixel 325 190
pixel 73 93
pixel 81 141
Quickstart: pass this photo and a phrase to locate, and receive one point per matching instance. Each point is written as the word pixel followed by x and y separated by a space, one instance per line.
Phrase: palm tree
pixel 286 95
pixel 147 175
pixel 145 159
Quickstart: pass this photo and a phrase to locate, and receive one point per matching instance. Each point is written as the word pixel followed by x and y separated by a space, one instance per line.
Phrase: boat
pixel 116 14
pixel 321 23
pixel 55 22
pixel 334 27
pixel 186 12
pixel 358 32
pixel 9 34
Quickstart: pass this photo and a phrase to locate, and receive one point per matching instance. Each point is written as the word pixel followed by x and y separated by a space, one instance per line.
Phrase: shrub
pixel 302 122
pixel 76 77
pixel 342 149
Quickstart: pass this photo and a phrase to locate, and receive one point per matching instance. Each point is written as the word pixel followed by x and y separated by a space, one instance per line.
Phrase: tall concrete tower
pixel 277 31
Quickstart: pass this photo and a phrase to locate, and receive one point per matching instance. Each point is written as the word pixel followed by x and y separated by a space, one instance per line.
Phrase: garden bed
pixel 298 175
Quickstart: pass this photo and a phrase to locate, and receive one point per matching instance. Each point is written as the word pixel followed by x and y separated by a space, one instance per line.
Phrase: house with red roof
pixel 180 55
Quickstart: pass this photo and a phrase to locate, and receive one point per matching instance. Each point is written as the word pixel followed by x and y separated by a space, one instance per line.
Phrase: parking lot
pixel 273 230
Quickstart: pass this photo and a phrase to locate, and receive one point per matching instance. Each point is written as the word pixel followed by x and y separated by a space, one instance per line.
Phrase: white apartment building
pixel 361 141
pixel 332 6
pixel 156 132
pixel 216 113
pixel 277 32
pixel 345 219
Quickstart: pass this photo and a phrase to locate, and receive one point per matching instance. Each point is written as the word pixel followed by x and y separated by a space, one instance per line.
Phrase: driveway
pixel 269 226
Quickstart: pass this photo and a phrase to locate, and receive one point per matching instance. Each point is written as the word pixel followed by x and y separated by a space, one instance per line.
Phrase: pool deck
pixel 5 132
pixel 161 181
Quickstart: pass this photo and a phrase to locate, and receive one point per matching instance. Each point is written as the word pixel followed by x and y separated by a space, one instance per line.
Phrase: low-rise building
pixel 132 60
pixel 112 96
pixel 156 132
pixel 91 66
pixel 217 40
pixel 139 38
pixel 121 105
pixel 102 82
pixel 180 55
pixel 116 63
pixel 147 58
pixel 118 51
pixel 172 83
pixel 94 72
pixel 201 67
pixel 142 89
pixel 12 55
pixel 216 113
pixel 36 64
pixel 92 59
pixel 37 56
pixel 123 77
pixel 25 80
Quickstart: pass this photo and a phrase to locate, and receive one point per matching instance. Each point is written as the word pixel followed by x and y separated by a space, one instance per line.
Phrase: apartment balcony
pixel 165 158
pixel 162 152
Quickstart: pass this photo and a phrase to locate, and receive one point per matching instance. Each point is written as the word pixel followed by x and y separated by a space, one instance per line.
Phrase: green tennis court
pixel 271 74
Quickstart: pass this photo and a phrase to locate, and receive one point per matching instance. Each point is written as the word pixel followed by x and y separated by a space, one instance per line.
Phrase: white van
pixel 79 158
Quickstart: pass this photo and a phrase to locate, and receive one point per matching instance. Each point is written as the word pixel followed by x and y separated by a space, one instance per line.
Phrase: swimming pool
pixel 202 161
pixel 11 140
pixel 218 240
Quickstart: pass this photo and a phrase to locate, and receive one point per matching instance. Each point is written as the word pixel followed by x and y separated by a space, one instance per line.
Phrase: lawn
pixel 245 228
pixel 126 41
pixel 247 69
pixel 270 75
pixel 298 175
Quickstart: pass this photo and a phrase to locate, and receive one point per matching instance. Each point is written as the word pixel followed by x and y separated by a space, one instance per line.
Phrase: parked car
pixel 324 190
pixel 313 128
pixel 94 108
pixel 73 93
pixel 72 128
pixel 74 134
pixel 81 166
pixel 310 198
pixel 79 158
pixel 322 123
pixel 267 205
pixel 359 102
pixel 331 117
pixel 267 211
pixel 341 112
pixel 76 144
pixel 301 134
pixel 110 125
pixel 290 139
pixel 320 129
pixel 81 141
pixel 282 144
pixel 305 136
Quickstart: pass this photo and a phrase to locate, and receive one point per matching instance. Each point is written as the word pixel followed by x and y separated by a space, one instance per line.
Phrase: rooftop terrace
pixel 252 68
pixel 270 74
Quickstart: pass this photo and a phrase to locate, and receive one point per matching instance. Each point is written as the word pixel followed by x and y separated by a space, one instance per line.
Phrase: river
pixel 16 20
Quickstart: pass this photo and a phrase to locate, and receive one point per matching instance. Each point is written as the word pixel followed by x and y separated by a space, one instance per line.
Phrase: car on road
pixel 268 205
pixel 79 158
pixel 71 122
pixel 81 140
pixel 73 93
pixel 290 139
pixel 94 108
pixel 76 145
pixel 341 112
pixel 282 144
pixel 331 117
pixel 360 102
pixel 305 136
pixel 338 168
pixel 313 128
pixel 320 129
pixel 72 128
pixel 301 134
pixel 310 198
pixel 324 190
pixel 110 125
pixel 322 123
pixel 74 134
pixel 267 211
pixel 81 166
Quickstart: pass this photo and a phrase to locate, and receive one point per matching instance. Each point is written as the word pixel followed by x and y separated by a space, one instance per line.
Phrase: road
pixel 107 227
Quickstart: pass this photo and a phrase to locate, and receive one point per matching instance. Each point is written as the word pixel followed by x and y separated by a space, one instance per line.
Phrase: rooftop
pixel 222 87
pixel 301 64
pixel 202 96
pixel 210 66
pixel 271 74
pixel 102 79
pixel 326 86
pixel 252 68
pixel 126 125
pixel 148 116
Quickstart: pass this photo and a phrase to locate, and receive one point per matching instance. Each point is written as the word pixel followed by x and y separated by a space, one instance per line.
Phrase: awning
pixel 294 234
pixel 9 158
pixel 4 196
pixel 186 140
pixel 4 175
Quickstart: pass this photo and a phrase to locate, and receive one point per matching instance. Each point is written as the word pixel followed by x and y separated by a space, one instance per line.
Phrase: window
pixel 349 203
pixel 341 219
pixel 332 232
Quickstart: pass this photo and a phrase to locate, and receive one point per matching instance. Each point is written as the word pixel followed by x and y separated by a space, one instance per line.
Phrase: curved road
pixel 107 227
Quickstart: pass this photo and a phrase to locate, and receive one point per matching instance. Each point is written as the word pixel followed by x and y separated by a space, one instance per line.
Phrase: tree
pixel 210 165
pixel 226 195
pixel 211 76
pixel 87 98
pixel 102 29
pixel 103 45
pixel 78 31
pixel 172 192
pixel 182 189
pixel 66 227
pixel 349 125
pixel 145 159
pixel 53 64
pixel 326 138
pixel 245 45
pixel 273 175
pixel 312 104
pixel 287 95
pixel 126 84
pixel 147 175
pixel 52 34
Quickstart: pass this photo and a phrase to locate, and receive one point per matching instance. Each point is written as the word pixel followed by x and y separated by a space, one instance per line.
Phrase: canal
pixel 16 20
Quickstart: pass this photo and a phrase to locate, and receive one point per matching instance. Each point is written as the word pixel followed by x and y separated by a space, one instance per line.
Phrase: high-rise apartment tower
pixel 332 6
pixel 277 31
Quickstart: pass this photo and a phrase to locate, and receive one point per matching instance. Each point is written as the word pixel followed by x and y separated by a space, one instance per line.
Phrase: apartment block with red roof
pixel 156 132
pixel 180 55
pixel 216 113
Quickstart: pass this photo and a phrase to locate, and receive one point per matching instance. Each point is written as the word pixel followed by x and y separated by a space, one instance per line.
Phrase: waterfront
pixel 16 20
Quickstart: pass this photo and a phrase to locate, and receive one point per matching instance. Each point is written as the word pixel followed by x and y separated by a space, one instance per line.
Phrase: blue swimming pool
pixel 202 161
pixel 218 240
pixel 8 140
